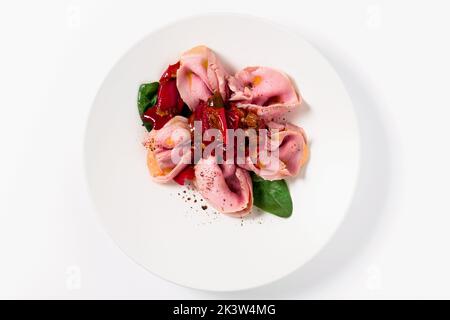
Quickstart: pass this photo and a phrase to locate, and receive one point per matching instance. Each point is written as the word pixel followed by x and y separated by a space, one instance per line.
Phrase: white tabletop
pixel 393 58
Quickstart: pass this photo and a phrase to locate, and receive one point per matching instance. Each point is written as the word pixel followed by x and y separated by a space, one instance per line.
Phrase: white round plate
pixel 197 248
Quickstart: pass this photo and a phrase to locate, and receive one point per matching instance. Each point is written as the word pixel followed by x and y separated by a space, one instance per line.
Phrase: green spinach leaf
pixel 272 196
pixel 148 126
pixel 147 96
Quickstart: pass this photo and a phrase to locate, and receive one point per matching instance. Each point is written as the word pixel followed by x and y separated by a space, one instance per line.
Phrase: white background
pixel 393 59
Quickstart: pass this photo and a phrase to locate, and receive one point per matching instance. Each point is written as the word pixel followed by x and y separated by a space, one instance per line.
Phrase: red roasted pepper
pixel 234 116
pixel 169 102
pixel 187 174
pixel 212 115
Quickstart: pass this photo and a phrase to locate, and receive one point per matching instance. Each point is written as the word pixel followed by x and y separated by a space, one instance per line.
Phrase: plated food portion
pixel 225 133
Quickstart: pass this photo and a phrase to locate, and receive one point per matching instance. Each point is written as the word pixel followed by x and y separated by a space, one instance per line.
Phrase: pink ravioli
pixel 266 91
pixel 287 152
pixel 226 187
pixel 200 75
pixel 162 144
